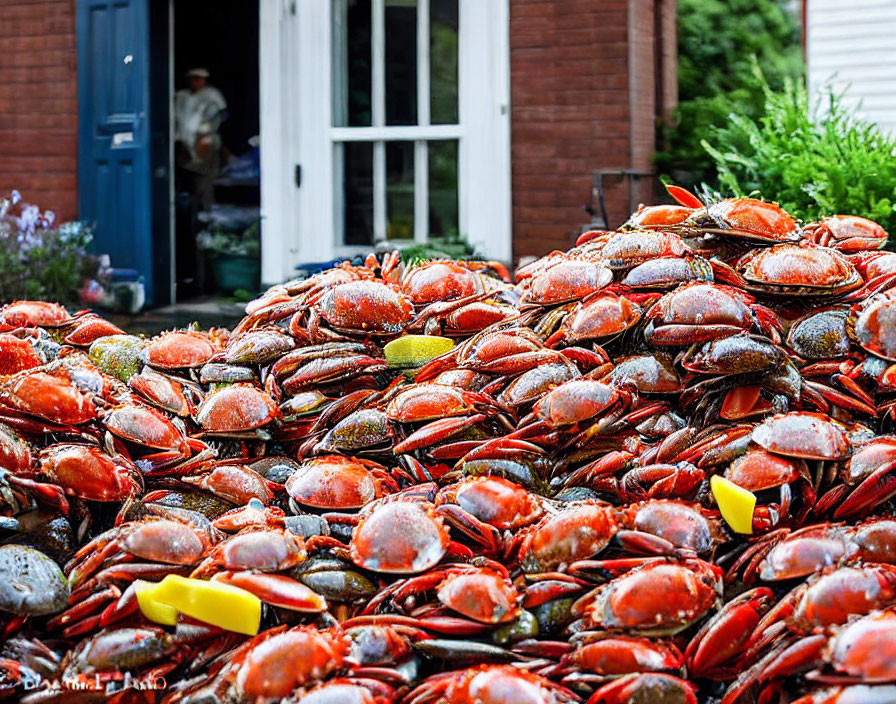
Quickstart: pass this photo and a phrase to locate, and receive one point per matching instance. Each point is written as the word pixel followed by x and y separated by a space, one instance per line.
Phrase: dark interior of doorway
pixel 222 37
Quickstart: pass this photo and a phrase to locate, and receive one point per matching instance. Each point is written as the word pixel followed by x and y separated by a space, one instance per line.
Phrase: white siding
pixel 851 45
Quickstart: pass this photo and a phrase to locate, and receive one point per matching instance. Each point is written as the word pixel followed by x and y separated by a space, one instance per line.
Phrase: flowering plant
pixel 38 259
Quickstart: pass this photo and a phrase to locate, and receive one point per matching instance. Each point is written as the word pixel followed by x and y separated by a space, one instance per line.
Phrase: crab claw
pixel 684 197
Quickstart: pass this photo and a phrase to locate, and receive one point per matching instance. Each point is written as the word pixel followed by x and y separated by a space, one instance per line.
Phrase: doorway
pixel 216 196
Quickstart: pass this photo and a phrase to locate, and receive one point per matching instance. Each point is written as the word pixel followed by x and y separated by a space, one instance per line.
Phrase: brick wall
pixel 584 94
pixel 38 103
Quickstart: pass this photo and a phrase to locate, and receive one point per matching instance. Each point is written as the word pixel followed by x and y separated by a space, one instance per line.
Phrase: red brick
pixel 38 103
pixel 583 99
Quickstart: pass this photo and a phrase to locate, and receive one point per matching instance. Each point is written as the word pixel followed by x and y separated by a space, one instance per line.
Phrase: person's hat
pixel 197 73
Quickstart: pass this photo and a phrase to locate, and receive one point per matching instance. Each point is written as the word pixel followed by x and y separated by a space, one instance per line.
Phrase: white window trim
pixel 299 223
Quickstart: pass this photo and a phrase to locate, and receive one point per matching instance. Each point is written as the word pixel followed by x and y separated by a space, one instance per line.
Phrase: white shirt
pixel 197 114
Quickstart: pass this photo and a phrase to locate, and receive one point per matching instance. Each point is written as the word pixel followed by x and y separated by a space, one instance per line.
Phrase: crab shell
pixel 600 316
pixel 237 408
pixel 848 233
pixel 651 374
pixel 89 473
pixel 866 648
pixel 180 350
pixel 748 219
pixel 811 436
pixel 668 272
pixel 34 314
pixel 499 684
pixel 281 663
pixel 334 483
pixel 399 537
pixel 625 249
pixel 698 312
pixel 494 500
pixel 365 306
pixel 576 401
pixel 480 594
pixel 820 334
pixel 575 533
pixel 791 269
pixel 658 598
pixel 567 280
pixel 873 324
pixel 440 281
pixel 658 216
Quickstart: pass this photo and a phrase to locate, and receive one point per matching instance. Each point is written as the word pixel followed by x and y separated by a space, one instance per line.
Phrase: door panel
pixel 114 177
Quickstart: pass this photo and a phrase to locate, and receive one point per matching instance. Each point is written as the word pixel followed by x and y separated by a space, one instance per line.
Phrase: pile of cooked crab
pixel 526 518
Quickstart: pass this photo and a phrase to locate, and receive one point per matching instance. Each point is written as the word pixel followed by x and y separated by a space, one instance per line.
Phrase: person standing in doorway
pixel 198 113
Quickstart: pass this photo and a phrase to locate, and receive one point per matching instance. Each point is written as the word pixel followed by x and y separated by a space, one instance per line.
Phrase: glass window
pixel 357 162
pixel 443 43
pixel 443 210
pixel 352 63
pixel 400 190
pixel 401 62
pixel 395 183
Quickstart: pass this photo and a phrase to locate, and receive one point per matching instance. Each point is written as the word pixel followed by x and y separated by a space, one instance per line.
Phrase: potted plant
pixel 235 257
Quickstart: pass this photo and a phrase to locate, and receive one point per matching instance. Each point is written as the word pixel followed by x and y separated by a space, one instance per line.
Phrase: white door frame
pixel 299 223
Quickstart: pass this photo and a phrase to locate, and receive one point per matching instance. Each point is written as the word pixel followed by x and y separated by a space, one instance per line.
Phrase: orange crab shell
pixel 440 281
pixel 659 216
pixel 279 664
pixel 34 314
pixel 17 355
pixel 803 435
pixel 180 349
pixel 334 483
pixel 750 218
pixel 399 537
pixel 848 233
pixel 48 396
pixel 873 324
pixel 480 594
pixel 808 269
pixel 494 500
pixel 89 473
pixel 367 305
pixel 575 533
pixel 237 408
pixel 865 648
pixel 759 469
pixel 567 280
pixel 686 593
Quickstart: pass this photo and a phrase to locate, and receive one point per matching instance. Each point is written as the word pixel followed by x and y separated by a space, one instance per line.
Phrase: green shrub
pixel 835 163
pixel 715 40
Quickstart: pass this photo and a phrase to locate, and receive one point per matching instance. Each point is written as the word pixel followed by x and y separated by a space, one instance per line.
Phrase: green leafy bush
pixel 219 241
pixel 835 163
pixel 39 260
pixel 715 40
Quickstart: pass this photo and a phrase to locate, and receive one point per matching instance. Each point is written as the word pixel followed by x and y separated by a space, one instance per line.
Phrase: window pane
pixel 401 62
pixel 443 218
pixel 443 61
pixel 352 63
pixel 400 190
pixel 358 192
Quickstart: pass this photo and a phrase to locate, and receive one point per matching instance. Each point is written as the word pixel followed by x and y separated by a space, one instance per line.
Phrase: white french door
pixel 382 120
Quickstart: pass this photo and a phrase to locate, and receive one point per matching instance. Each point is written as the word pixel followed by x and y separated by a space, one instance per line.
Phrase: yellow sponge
pixel 155 611
pixel 217 604
pixel 416 350
pixel 735 503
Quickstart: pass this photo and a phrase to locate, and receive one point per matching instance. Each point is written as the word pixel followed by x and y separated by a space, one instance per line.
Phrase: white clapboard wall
pixel 851 45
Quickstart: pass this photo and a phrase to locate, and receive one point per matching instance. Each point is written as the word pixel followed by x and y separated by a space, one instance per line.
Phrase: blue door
pixel 114 178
